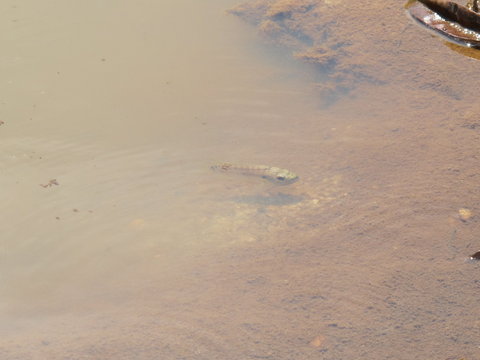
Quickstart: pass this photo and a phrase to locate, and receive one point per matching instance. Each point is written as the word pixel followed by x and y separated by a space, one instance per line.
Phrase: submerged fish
pixel 271 173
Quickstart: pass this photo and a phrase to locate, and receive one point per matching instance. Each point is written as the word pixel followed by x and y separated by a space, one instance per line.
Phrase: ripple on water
pixel 87 226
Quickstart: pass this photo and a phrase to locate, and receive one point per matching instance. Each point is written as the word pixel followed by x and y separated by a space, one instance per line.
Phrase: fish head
pixel 281 176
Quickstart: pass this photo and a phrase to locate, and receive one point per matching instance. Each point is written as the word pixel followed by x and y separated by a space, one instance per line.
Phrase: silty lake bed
pixel 119 241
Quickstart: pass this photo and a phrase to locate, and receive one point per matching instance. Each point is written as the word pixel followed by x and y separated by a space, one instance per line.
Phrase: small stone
pixel 317 341
pixel 464 214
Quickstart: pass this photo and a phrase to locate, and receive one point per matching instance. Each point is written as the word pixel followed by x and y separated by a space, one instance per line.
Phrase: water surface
pixel 138 250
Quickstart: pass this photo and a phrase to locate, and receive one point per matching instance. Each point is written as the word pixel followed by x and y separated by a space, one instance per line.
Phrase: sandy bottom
pixel 118 242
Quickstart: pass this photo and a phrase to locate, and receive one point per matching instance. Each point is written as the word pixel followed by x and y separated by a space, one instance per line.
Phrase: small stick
pixel 50 183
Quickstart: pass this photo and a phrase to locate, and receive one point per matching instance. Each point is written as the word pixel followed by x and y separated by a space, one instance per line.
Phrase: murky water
pixel 119 242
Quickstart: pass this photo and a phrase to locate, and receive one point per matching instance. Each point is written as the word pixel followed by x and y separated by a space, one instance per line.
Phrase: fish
pixel 273 174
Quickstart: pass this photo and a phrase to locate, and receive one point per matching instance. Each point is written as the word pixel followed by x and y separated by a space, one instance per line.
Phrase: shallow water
pixel 138 250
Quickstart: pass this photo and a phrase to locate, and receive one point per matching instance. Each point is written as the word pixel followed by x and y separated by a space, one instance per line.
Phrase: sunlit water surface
pixel 119 242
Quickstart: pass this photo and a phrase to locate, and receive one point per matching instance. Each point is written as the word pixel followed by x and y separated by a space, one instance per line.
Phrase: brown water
pixel 139 251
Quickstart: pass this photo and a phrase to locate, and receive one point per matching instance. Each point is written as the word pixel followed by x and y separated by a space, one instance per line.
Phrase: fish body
pixel 270 173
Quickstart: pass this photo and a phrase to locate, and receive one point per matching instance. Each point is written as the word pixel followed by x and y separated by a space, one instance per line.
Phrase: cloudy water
pixel 119 241
pixel 112 115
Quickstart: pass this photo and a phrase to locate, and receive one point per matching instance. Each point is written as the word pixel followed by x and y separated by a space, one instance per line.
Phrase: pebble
pixel 465 214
